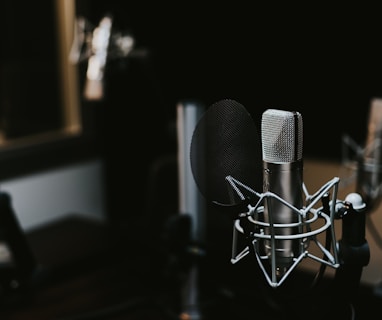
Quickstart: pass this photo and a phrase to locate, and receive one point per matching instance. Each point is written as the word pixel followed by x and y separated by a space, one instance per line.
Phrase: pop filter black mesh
pixel 225 142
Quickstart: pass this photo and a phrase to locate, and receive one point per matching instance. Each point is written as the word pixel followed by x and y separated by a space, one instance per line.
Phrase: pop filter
pixel 225 143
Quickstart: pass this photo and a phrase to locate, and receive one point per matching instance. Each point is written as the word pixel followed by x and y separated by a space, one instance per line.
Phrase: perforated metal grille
pixel 282 136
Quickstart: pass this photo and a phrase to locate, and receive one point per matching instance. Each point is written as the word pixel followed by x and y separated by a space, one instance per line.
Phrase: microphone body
pixel 283 176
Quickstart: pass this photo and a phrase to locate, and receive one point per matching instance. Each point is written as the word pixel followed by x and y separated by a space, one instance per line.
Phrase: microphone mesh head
pixel 281 133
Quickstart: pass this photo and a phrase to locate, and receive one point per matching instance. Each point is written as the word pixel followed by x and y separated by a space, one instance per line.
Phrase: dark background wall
pixel 323 62
pixel 28 69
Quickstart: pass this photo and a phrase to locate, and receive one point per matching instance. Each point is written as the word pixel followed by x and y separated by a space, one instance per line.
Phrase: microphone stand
pixel 192 206
pixel 354 252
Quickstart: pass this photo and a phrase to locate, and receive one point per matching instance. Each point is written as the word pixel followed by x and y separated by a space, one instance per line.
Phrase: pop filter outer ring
pixel 225 142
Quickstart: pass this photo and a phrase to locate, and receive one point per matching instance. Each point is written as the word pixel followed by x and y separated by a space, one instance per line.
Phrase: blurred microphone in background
pixel 369 173
pixel 96 46
pixel 97 59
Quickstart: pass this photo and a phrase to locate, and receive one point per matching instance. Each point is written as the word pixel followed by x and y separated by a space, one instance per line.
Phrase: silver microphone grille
pixel 282 136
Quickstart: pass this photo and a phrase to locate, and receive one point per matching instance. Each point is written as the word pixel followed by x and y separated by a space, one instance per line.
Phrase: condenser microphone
pixel 369 179
pixel 282 140
pixel 278 226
